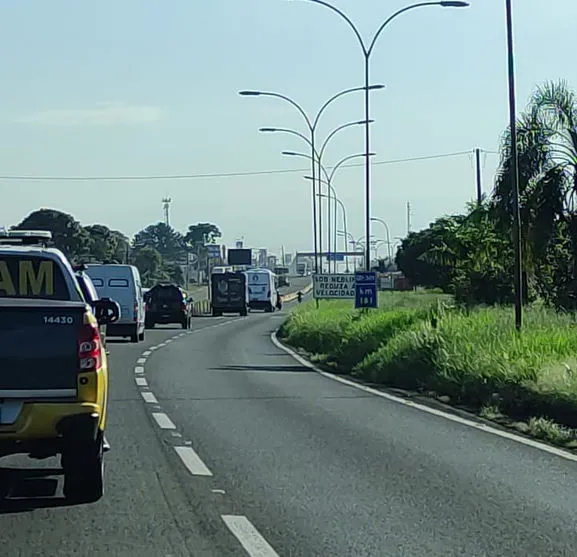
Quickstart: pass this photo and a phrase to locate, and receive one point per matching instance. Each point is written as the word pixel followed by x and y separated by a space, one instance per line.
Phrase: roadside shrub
pixel 316 331
pixel 364 336
pixel 480 359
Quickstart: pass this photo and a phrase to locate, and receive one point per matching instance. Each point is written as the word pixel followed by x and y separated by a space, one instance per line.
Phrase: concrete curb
pixel 472 422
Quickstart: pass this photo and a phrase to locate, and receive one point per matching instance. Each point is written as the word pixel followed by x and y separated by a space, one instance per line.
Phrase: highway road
pixel 223 445
pixel 296 284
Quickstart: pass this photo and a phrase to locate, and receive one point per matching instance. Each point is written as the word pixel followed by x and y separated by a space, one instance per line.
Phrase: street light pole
pixel 312 126
pixel 367 51
pixel 344 211
pixel 318 161
pixel 376 219
pixel 328 181
pixel 514 170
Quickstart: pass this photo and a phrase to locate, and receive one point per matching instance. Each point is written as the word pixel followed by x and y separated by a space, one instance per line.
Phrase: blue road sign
pixel 213 250
pixel 366 289
pixel 335 256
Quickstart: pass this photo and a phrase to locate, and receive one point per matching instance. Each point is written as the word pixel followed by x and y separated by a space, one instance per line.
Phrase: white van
pixel 262 292
pixel 122 284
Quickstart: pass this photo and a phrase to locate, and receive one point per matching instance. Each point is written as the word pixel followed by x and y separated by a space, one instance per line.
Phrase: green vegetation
pixel 473 357
pixel 159 251
pixel 470 255
pixel 464 347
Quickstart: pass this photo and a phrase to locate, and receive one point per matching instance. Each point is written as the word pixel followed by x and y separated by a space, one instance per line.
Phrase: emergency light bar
pixel 26 237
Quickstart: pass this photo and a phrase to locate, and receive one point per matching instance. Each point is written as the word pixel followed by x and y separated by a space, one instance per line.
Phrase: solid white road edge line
pixel 248 536
pixel 141 381
pixel 163 421
pixel 149 397
pixel 423 408
pixel 192 461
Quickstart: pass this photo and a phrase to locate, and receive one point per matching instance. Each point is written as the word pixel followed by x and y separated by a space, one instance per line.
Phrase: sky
pixel 148 88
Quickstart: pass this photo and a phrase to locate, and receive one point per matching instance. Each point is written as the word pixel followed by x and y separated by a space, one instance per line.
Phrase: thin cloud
pixel 101 114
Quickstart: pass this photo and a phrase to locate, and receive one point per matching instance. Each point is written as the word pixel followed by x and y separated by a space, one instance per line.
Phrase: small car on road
pixel 166 304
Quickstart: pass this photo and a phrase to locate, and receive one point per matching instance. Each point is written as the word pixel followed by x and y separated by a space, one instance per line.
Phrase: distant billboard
pixel 240 256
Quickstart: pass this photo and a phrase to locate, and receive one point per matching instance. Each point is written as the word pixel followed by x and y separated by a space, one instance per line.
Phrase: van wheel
pixel 184 324
pixel 141 336
pixel 134 336
pixel 84 472
pixel 243 312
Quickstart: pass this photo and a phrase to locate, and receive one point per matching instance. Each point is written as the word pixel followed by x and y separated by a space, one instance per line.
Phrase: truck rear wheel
pixel 134 335
pixel 243 312
pixel 84 472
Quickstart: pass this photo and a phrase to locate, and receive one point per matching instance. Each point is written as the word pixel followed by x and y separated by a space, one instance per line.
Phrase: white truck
pixel 262 290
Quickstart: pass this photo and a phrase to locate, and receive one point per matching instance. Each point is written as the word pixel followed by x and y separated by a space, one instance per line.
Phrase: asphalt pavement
pixel 223 445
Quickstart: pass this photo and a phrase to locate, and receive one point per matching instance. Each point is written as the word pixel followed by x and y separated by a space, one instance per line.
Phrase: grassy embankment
pixel 476 360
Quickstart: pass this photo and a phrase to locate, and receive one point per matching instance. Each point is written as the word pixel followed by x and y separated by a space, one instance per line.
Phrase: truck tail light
pixel 89 348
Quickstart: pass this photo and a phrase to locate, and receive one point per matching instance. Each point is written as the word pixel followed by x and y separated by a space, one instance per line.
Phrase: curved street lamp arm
pixel 369 50
pixel 343 161
pixel 292 132
pixel 331 100
pixel 346 18
pixel 290 101
pixel 334 132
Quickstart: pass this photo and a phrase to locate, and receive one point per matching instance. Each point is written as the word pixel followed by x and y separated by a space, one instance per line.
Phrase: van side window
pixel 97 282
pixel 118 283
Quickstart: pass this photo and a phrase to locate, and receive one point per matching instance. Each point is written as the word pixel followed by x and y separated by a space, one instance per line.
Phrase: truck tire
pixel 84 472
pixel 216 313
pixel 243 312
pixel 134 335
pixel 184 323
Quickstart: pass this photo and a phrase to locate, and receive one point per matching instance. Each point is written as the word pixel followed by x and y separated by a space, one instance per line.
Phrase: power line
pixel 225 174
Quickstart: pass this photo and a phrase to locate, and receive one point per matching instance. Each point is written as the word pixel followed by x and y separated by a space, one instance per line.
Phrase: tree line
pixel 159 251
pixel 471 255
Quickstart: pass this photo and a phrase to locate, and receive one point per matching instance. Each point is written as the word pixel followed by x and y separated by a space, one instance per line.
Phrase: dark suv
pixel 167 303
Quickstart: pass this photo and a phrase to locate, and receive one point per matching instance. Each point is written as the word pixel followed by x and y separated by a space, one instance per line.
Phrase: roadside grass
pixel 475 359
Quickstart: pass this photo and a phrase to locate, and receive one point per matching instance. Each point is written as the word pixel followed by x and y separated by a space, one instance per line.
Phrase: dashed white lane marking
pixel 141 361
pixel 248 536
pixel 139 370
pixel 149 397
pixel 141 381
pixel 163 421
pixel 146 354
pixel 192 461
pixel 451 417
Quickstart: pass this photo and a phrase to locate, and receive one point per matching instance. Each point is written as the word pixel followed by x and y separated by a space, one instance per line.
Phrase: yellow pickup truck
pixel 53 365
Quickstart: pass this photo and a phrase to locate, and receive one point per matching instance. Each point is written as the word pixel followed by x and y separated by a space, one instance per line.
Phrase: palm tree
pixel 547 159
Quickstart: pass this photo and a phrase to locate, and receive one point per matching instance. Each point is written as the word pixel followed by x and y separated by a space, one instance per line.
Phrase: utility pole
pixel 166 201
pixel 408 217
pixel 478 169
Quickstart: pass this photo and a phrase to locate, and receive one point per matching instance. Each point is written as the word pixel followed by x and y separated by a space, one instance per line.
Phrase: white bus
pixel 262 291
